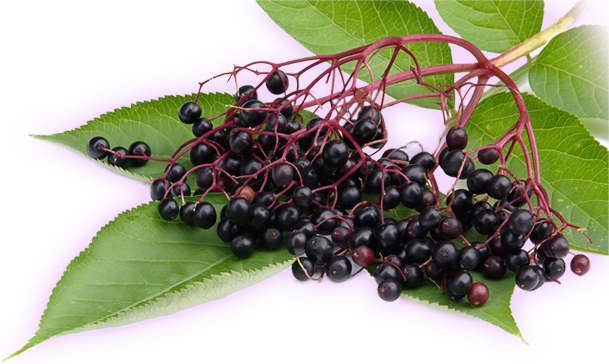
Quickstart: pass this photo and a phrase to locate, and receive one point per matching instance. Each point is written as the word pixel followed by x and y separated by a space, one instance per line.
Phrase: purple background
pixel 64 63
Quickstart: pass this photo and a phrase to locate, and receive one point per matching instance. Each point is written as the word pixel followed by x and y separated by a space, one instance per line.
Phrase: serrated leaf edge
pixel 446 308
pixel 121 171
pixel 111 320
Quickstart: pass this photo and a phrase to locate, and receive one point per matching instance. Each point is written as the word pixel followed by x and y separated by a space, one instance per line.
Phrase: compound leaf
pixel 494 26
pixel 327 27
pixel 140 266
pixel 571 72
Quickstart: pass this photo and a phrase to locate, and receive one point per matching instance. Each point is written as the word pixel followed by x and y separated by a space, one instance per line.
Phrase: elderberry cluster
pixel 508 223
pixel 306 184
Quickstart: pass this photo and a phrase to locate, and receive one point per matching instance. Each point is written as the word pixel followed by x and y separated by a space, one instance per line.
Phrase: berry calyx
pixel 338 269
pixel 389 290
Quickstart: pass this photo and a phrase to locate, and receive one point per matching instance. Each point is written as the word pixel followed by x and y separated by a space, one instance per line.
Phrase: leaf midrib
pixel 157 294
pixel 506 22
pixel 468 314
pixel 380 55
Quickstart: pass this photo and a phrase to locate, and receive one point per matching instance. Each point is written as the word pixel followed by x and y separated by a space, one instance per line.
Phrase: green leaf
pixel 573 164
pixel 496 311
pixel 494 26
pixel 571 72
pixel 140 266
pixel 328 27
pixel 155 122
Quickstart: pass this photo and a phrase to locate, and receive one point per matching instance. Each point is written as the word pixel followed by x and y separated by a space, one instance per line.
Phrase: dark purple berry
pixel 93 147
pixel 169 209
pixel 580 264
pixel 189 112
pixel 389 290
pixel 299 273
pixel 204 215
pixel 242 246
pixel 338 269
pixel 277 83
pixel 139 149
pixel 456 138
